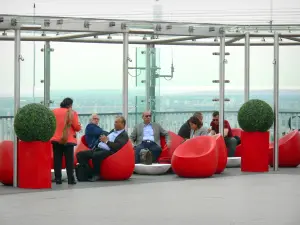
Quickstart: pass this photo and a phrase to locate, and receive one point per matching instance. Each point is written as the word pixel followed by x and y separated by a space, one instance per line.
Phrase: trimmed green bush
pixel 35 122
pixel 256 115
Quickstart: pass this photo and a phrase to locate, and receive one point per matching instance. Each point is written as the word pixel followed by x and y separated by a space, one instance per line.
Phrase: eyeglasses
pixel 95 118
pixel 148 116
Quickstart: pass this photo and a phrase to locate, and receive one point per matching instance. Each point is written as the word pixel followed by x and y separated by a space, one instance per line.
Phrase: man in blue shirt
pixel 108 145
pixel 93 132
pixel 147 135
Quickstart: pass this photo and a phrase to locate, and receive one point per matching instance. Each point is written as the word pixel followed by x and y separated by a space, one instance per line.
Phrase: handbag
pixel 68 123
pixel 146 156
pixel 83 172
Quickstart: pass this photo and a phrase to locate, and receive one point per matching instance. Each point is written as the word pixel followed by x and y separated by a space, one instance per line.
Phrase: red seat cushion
pixel 222 154
pixel 289 150
pixel 120 165
pixel 196 157
pixel 6 162
pixel 238 150
pixel 79 148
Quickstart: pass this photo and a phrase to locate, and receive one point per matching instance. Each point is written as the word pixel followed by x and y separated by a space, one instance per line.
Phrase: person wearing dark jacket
pixel 108 146
pixel 185 129
pixel 93 132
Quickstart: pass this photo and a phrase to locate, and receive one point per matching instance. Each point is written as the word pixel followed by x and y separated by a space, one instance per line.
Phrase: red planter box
pixel 255 154
pixel 34 165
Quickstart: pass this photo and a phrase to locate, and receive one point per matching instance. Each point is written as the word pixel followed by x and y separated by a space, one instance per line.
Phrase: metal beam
pixel 72 36
pixel 292 39
pixel 276 101
pixel 47 69
pixel 222 85
pixel 17 86
pixel 125 77
pixel 141 42
pixel 247 68
pixel 175 39
pixel 234 40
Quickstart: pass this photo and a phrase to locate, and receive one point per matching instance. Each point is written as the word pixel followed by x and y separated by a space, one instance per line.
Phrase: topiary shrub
pixel 35 122
pixel 255 115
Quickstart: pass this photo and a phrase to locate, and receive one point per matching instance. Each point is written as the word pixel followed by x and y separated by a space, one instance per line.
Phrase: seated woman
pixel 197 128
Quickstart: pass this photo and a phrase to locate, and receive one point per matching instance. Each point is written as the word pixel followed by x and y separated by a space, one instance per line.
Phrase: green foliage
pixel 35 122
pixel 255 115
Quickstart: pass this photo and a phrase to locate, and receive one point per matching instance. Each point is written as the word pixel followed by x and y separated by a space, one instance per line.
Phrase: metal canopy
pixel 91 30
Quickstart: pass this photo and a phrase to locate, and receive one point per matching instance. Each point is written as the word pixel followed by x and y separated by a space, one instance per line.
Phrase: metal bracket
pixel 21 58
pixel 218 53
pixel 217 81
pixel 225 100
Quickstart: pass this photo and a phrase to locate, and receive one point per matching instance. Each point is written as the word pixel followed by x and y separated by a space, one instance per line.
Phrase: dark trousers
pixel 231 144
pixel 68 151
pixel 97 156
pixel 152 146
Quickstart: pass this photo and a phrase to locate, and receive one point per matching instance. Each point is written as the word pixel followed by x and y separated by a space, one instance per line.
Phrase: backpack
pixel 146 156
pixel 83 172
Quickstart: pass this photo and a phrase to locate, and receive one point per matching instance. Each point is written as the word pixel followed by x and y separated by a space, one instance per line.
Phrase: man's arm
pixel 133 135
pixel 119 142
pixel 164 133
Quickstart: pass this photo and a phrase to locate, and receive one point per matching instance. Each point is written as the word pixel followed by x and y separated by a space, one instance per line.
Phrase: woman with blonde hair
pixel 64 139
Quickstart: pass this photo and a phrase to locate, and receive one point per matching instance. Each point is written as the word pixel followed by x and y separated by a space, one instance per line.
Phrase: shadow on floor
pixel 143 179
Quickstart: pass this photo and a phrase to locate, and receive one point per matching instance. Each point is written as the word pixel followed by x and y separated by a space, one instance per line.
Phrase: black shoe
pixel 72 181
pixel 58 181
pixel 94 178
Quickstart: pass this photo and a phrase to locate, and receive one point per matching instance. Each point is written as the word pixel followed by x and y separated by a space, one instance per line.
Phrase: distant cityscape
pixel 110 101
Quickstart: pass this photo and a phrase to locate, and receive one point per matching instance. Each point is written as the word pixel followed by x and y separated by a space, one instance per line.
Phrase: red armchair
pixel 6 162
pixel 82 146
pixel 237 132
pixel 289 150
pixel 166 154
pixel 196 157
pixel 119 166
pixel 222 154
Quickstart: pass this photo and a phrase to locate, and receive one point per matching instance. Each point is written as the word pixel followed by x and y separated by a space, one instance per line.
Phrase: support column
pixel 47 53
pixel 222 84
pixel 276 100
pixel 247 68
pixel 148 77
pixel 125 76
pixel 17 86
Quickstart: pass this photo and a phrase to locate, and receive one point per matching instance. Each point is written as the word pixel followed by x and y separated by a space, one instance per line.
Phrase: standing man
pixel 147 135
pixel 230 141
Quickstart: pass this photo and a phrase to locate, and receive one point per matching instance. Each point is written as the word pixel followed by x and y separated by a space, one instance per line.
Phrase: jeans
pixel 231 143
pixel 152 146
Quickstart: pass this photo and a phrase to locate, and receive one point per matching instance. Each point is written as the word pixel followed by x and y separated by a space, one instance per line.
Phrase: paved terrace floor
pixel 232 198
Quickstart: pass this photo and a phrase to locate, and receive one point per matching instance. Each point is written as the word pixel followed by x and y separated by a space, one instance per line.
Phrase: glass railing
pixel 168 120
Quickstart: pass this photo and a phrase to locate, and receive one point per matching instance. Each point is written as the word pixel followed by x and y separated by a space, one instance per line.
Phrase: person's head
pixel 94 119
pixel 66 103
pixel 195 123
pixel 199 115
pixel 215 117
pixel 147 117
pixel 120 123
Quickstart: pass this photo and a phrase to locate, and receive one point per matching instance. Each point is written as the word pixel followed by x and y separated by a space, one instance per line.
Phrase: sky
pixel 99 66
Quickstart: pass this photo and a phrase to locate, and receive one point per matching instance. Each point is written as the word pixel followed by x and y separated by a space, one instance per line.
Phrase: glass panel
pixel 155 81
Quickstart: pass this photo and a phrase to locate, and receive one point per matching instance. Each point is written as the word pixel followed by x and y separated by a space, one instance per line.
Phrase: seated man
pixel 93 131
pixel 109 145
pixel 147 135
pixel 185 129
pixel 230 141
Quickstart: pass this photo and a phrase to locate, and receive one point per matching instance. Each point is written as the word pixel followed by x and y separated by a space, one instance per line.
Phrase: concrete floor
pixel 231 198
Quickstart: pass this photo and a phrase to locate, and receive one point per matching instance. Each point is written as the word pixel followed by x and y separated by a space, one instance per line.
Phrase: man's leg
pixel 98 156
pixel 83 157
pixel 137 150
pixel 156 151
pixel 231 145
